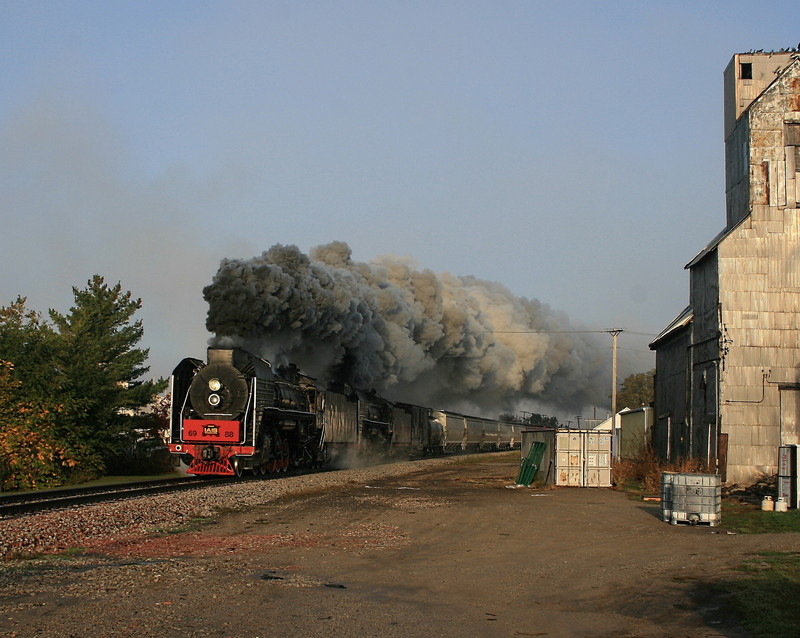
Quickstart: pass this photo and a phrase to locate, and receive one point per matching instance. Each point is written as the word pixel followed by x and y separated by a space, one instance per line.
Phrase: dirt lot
pixel 449 551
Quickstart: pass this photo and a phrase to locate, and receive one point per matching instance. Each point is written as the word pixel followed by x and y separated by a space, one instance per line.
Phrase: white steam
pixel 410 334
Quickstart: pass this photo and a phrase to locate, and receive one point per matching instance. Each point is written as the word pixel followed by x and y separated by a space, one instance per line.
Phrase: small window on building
pixel 793 135
pixel 746 70
pixel 793 139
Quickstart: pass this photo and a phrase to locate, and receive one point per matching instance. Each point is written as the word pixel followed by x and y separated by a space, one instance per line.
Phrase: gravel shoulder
pixel 439 547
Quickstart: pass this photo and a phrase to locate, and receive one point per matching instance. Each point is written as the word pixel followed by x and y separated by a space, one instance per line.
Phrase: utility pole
pixel 614 332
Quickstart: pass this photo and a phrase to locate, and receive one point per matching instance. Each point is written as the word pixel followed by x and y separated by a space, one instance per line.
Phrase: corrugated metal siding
pixel 583 458
pixel 670 396
pixel 546 471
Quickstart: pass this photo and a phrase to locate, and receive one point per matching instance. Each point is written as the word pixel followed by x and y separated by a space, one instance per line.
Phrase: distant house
pixel 631 431
pixel 727 384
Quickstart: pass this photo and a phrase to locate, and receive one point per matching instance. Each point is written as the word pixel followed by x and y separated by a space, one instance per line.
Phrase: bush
pixel 140 456
pixel 643 475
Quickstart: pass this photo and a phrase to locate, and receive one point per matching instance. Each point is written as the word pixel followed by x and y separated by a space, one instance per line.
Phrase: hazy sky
pixel 571 151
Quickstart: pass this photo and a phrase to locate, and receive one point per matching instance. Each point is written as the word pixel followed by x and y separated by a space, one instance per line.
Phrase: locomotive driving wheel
pixel 285 456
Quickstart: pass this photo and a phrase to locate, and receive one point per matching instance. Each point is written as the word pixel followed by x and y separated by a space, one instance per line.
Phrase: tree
pixel 31 454
pixel 27 343
pixel 97 368
pixel 530 418
pixel 637 390
pixel 143 450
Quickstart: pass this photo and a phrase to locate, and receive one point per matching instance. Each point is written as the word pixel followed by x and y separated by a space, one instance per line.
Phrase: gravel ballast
pixel 77 527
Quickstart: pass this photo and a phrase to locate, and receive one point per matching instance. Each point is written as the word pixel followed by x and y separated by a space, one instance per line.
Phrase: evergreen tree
pixel 98 368
pixel 28 344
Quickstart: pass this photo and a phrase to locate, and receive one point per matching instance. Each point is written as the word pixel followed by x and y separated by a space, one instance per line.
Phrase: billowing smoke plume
pixel 437 340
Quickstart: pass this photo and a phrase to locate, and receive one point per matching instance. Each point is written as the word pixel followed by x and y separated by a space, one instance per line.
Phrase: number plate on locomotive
pixel 211 431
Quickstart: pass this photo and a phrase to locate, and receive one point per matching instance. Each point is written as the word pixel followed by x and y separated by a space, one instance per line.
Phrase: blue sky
pixel 571 151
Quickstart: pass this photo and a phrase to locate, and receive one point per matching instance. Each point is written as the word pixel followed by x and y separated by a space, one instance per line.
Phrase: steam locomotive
pixel 235 413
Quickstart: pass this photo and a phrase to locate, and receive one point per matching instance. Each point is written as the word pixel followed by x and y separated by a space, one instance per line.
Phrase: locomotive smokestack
pixel 411 334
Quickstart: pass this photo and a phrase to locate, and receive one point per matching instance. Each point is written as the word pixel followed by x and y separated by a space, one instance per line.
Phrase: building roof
pixel 712 245
pixel 681 321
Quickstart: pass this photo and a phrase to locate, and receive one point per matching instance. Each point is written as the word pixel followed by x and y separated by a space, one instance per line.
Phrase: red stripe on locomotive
pixel 210 431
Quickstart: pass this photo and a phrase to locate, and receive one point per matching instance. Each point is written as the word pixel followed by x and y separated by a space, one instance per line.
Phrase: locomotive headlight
pixel 214 399
pixel 214 385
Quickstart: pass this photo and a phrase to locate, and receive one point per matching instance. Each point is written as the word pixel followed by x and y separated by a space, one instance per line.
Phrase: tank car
pixel 235 413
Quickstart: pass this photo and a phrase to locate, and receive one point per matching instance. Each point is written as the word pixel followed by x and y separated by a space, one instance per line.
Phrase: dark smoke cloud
pixel 410 334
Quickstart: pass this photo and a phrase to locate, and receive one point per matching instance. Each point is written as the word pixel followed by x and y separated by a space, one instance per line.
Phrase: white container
pixel 691 498
pixel 781 505
pixel 583 458
pixel 767 505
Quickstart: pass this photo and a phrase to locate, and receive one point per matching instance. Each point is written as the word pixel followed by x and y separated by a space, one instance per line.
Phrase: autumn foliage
pixel 31 454
pixel 70 391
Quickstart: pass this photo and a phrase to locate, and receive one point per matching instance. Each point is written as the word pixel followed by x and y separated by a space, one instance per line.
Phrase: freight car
pixel 237 413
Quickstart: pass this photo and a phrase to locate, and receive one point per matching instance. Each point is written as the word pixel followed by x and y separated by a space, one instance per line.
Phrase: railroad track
pixel 21 503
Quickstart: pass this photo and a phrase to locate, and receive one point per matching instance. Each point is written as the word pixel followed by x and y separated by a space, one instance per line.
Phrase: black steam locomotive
pixel 237 413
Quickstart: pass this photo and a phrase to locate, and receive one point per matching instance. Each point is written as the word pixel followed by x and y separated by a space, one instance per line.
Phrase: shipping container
pixel 583 458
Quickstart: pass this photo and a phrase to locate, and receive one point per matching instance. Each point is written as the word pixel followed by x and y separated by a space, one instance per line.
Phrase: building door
pixel 790 405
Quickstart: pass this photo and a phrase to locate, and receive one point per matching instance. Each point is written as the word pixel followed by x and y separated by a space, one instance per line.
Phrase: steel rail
pixel 27 502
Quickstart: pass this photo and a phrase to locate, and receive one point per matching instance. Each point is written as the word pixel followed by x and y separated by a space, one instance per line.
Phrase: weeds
pixel 746 518
pixel 643 475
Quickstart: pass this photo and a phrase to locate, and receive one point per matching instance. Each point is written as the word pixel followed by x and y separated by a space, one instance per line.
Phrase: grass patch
pixel 745 518
pixel 498 458
pixel 102 482
pixel 22 557
pixel 765 600
pixel 642 477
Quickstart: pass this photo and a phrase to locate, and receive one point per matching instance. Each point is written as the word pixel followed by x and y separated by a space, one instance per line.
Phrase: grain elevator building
pixel 727 385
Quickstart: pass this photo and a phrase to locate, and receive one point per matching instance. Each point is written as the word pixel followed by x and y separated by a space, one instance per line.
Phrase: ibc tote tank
pixel 691 498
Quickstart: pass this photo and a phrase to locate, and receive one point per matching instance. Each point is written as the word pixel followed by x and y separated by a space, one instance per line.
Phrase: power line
pixel 559 332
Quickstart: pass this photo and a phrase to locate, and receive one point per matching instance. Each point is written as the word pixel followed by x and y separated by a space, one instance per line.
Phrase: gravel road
pixel 439 547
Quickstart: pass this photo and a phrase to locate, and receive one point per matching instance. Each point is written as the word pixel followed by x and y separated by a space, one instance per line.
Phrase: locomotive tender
pixel 237 413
